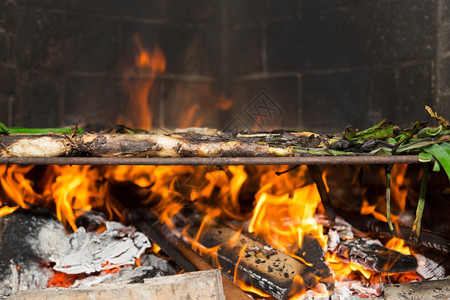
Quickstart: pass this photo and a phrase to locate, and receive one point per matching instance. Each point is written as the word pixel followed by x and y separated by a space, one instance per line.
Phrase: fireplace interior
pixel 283 229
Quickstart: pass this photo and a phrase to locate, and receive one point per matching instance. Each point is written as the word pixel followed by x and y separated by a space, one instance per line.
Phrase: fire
pixel 398 196
pixel 398 245
pixel 72 192
pixel 139 86
pixel 343 270
pixel 282 213
pixel 16 186
pixel 283 219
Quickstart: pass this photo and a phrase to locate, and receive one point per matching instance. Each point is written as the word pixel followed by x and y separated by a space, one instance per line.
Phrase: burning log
pixel 370 254
pixel 189 260
pixel 316 175
pixel 312 252
pixel 373 256
pixel 428 269
pixel 370 224
pixel 248 260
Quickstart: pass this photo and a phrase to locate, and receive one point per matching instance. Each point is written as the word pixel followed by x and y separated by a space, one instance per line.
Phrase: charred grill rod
pixel 298 160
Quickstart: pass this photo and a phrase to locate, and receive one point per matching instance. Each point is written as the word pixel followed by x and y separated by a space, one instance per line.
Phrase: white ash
pixel 342 227
pixel 51 239
pixel 151 260
pixel 152 266
pixel 333 240
pixel 268 248
pixel 27 237
pixel 429 269
pixel 31 277
pixel 348 289
pixel 87 252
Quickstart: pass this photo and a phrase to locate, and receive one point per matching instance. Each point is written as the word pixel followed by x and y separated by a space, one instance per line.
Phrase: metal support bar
pixel 298 160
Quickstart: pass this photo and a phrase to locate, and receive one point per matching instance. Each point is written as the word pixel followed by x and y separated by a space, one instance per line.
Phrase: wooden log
pixel 312 252
pixel 316 175
pixel 373 256
pixel 429 269
pixel 189 260
pixel 195 285
pixel 370 224
pixel 256 264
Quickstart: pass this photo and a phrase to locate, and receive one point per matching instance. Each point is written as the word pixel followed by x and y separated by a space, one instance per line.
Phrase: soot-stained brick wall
pixel 66 62
pixel 308 64
pixel 341 61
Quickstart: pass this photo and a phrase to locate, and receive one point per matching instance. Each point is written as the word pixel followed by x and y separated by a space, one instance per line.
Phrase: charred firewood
pixel 312 252
pixel 429 269
pixel 253 262
pixel 316 175
pixel 370 224
pixel 373 256
pixel 189 260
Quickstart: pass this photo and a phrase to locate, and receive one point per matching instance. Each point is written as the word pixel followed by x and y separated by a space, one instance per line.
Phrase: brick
pixel 442 106
pixel 321 7
pixel 244 12
pixel 3 48
pixel 413 91
pixel 357 98
pixel 187 50
pixel 7 90
pixel 7 80
pixel 93 101
pixel 281 111
pixel 381 33
pixel 4 108
pixel 444 76
pixel 56 41
pixel 197 11
pixel 245 51
pixel 194 11
pixel 149 9
pixel 313 42
pixel 38 100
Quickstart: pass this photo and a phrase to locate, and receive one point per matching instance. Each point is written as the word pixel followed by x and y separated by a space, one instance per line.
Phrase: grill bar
pixel 321 160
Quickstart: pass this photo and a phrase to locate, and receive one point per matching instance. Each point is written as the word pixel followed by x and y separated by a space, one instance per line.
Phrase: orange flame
pixel 149 64
pixel 283 219
pixel 398 245
pixel 398 197
pixel 283 212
